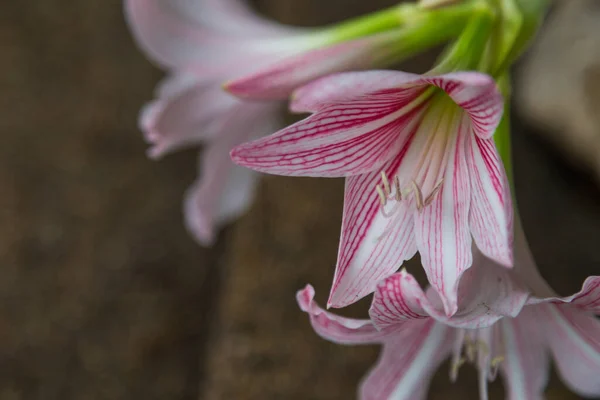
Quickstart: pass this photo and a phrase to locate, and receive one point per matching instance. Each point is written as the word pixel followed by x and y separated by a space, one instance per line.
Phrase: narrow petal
pixel 574 338
pixel 587 299
pixel 347 138
pixel 477 94
pixel 407 363
pixel 172 38
pixel 340 87
pixel 223 190
pixel 442 230
pixel 525 366
pixel 397 299
pixel 372 246
pixel 185 119
pixel 487 292
pixel 490 216
pixel 278 80
pixel 335 328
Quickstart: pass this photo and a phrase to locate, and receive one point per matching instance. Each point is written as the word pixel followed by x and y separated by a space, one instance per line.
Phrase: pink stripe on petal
pixel 587 299
pixel 574 339
pixel 335 328
pixel 349 138
pixel 442 229
pixel 280 79
pixel 397 299
pixel 490 215
pixel 407 363
pixel 477 94
pixel 525 366
pixel 487 292
pixel 372 246
pixel 341 87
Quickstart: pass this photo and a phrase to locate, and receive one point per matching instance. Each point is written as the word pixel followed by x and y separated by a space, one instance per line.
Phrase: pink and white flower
pixel 417 336
pixel 202 44
pixel 431 137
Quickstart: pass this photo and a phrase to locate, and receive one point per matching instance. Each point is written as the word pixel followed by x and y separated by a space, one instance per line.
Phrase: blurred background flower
pixel 105 295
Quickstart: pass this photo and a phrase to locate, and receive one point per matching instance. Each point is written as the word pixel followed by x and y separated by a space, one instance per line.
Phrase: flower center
pixel 393 193
pixel 477 347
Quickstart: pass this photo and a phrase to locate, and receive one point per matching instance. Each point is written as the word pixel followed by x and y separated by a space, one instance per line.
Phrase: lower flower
pixel 501 327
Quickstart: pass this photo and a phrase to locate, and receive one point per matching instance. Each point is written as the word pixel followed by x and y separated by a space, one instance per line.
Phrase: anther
pixel 398 191
pixel 386 183
pixel 382 196
pixel 435 190
pixel 418 195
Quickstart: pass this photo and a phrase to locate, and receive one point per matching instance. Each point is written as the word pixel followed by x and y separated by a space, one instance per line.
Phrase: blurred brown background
pixel 103 295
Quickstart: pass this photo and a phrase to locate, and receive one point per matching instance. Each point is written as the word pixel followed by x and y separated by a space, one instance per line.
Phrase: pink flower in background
pixel 202 44
pixel 424 142
pixel 417 337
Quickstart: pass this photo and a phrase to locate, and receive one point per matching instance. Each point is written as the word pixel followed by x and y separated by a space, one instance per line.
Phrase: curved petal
pixel 487 292
pixel 397 299
pixel 587 299
pixel 574 339
pixel 232 17
pixel 477 94
pixel 490 215
pixel 224 191
pixel 372 246
pixel 407 363
pixel 185 119
pixel 278 80
pixel 335 328
pixel 174 40
pixel 525 366
pixel 442 230
pixel 342 87
pixel 347 138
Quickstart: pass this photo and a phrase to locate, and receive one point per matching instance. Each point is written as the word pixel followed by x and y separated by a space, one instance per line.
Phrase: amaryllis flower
pixel 422 172
pixel 417 337
pixel 201 44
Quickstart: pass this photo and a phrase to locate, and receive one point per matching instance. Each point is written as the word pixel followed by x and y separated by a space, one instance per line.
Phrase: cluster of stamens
pixel 471 349
pixel 393 192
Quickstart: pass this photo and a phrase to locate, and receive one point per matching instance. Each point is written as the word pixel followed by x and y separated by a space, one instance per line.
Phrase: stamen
pixel 455 367
pixel 382 196
pixel 397 186
pixel 435 190
pixel 418 195
pixel 386 183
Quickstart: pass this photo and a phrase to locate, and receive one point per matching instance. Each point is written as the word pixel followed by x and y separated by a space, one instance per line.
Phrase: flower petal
pixel 407 363
pixel 397 299
pixel 347 138
pixel 278 80
pixel 487 292
pixel 185 119
pixel 490 215
pixel 587 299
pixel 224 191
pixel 171 36
pixel 526 363
pixel 335 328
pixel 574 338
pixel 372 246
pixel 442 230
pixel 477 94
pixel 340 87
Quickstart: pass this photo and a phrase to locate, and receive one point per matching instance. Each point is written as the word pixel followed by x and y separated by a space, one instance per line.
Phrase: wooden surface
pixel 103 294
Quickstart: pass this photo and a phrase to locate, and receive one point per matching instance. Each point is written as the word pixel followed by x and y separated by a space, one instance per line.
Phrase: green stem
pixel 467 51
pixel 403 15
